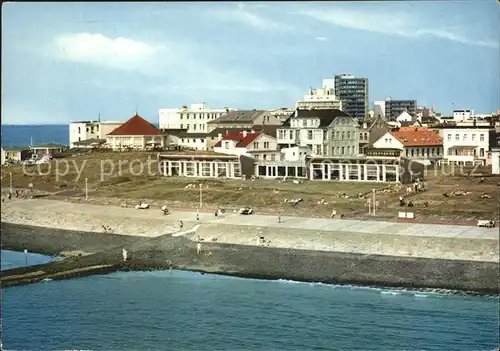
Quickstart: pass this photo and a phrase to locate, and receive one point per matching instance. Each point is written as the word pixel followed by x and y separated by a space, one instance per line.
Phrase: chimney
pixel 245 133
pixel 219 137
pixel 297 113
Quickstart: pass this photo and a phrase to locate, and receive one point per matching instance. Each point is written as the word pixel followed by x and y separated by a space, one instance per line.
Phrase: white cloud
pixel 399 24
pixel 247 15
pixel 321 39
pixel 97 49
pixel 185 70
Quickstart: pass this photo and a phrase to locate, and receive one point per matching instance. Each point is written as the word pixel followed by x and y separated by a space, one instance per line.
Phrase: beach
pixel 456 257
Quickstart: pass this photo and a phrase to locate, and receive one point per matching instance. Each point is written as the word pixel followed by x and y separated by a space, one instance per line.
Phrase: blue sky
pixel 71 61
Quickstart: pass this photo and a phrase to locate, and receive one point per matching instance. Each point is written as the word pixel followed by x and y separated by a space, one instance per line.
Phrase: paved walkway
pixel 259 220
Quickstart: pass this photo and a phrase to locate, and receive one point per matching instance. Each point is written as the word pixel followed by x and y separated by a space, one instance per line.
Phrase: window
pixel 227 144
pixel 343 152
pixel 255 145
pixel 264 156
pixel 266 144
pixel 87 129
pixel 449 152
pixel 449 137
pixel 181 115
pixel 79 130
pixel 465 137
pixel 481 138
pixel 309 135
pixel 412 152
pixel 273 157
pixel 481 152
pixel 256 156
pixel 202 141
pixel 457 137
pixel 438 152
pixel 194 126
pixel 348 135
pixel 418 152
pixel 473 137
pixel 343 137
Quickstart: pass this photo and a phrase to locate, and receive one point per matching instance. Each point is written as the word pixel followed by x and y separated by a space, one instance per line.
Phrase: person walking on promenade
pixel 181 224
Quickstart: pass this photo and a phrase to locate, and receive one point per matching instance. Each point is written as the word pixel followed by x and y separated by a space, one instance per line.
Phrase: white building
pixel 379 109
pixel 495 160
pixel 295 153
pixel 321 98
pixel 193 119
pixel 85 130
pixel 404 117
pixel 465 145
pixel 462 115
pixel 258 145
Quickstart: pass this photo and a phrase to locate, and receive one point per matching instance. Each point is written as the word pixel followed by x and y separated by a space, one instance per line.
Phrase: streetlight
pixel 373 202
pixel 10 176
pixel 201 195
pixel 86 189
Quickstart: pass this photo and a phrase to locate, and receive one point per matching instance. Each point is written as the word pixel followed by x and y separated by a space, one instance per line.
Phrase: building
pixel 136 133
pixel 463 115
pixel 243 120
pixel 321 98
pixel 185 140
pixel 15 154
pixel 193 119
pixel 324 132
pixel 206 165
pixel 394 108
pixel 495 160
pixel 415 143
pixel 214 136
pixel 464 145
pixel 89 144
pixel 353 92
pixel 258 145
pixel 47 149
pixel 379 109
pixel 282 113
pixel 86 130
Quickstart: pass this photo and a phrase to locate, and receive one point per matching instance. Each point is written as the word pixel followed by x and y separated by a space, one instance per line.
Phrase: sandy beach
pixel 351 236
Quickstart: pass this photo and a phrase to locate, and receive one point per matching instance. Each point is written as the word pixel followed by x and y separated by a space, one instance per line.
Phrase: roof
pixel 90 141
pixel 239 116
pixel 49 146
pixel 417 136
pixel 15 148
pixel 240 138
pixel 326 116
pixel 136 126
pixel 268 129
pixel 185 134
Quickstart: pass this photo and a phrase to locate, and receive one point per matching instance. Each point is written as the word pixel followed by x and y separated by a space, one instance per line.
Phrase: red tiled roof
pixel 417 136
pixel 136 126
pixel 241 140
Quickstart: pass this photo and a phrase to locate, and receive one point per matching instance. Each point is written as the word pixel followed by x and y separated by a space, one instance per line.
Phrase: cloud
pixel 99 50
pixel 245 14
pixel 321 39
pixel 399 24
pixel 179 64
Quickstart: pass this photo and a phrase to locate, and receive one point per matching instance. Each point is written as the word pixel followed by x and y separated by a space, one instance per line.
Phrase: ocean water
pixel 21 135
pixel 15 259
pixel 175 310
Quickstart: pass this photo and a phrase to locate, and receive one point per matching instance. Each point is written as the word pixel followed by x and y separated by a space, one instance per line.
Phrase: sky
pixel 63 62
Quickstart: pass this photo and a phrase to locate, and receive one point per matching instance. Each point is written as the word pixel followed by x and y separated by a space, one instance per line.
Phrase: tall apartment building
pixel 393 108
pixel 353 92
pixel 193 119
pixel 321 98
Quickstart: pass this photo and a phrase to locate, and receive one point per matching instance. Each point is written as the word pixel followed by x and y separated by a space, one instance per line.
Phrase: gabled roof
pixel 404 116
pixel 136 126
pixel 244 116
pixel 268 129
pixel 326 116
pixel 417 136
pixel 240 138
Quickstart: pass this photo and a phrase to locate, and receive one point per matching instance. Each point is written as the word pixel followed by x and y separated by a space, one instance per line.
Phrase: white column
pixel 384 173
pixel 347 171
pixel 212 166
pixel 359 172
pixel 341 171
pixel 397 172
pixel 378 173
pixel 365 168
pixel 229 168
pixel 216 169
pixel 184 168
pixel 165 168
pixel 311 173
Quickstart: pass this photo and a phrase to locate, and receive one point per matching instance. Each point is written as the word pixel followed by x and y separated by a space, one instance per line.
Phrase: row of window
pixel 266 157
pixel 201 127
pixel 200 115
pixel 467 152
pixel 91 129
pixel 465 137
pixel 344 150
pixel 193 140
pixel 256 145
pixel 434 151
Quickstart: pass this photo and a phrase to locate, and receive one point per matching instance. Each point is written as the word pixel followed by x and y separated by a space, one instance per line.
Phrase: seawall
pixel 104 255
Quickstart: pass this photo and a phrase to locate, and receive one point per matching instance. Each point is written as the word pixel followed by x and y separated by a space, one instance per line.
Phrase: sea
pixel 25 135
pixel 178 310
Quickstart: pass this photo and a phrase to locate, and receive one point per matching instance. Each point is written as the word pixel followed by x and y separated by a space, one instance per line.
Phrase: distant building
pixel 414 143
pixel 495 160
pixel 85 130
pixel 462 115
pixel 394 108
pixel 15 154
pixel 353 92
pixel 282 113
pixel 321 98
pixel 258 145
pixel 248 119
pixel 465 144
pixel 136 133
pixel 193 119
pixel 324 132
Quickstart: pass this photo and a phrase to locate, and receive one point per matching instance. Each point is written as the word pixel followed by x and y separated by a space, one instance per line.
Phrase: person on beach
pixel 197 215
pixel 182 224
pixel 279 218
pixel 198 246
